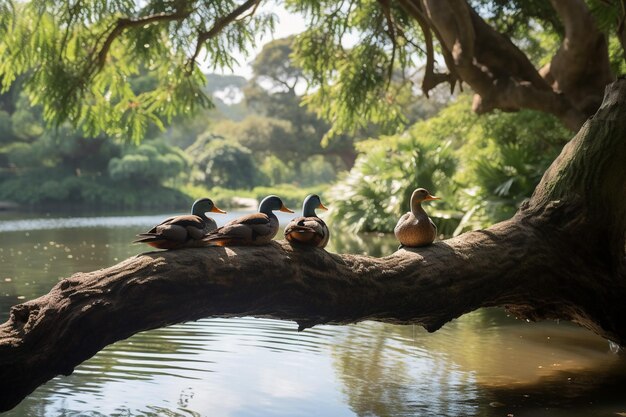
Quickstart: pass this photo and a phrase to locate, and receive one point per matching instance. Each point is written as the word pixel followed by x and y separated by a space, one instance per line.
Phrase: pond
pixel 483 364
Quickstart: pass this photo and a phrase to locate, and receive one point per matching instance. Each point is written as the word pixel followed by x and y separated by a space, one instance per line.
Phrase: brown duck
pixel 252 229
pixel 309 229
pixel 182 231
pixel 415 228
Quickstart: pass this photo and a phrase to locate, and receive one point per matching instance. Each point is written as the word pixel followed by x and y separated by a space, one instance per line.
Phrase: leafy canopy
pixel 78 59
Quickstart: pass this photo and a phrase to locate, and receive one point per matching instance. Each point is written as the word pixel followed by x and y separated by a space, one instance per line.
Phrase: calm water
pixel 483 364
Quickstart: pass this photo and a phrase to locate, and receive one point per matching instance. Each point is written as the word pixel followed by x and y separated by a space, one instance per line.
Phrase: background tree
pixel 272 92
pixel 223 164
pixel 63 166
pixel 148 165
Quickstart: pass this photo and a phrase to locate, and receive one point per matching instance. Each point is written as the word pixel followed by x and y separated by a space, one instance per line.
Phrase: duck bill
pixel 217 210
pixel 323 207
pixel 285 209
pixel 431 197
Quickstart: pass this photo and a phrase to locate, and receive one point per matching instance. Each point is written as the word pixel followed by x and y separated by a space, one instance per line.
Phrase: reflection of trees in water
pixel 482 364
pixel 591 392
pixel 386 373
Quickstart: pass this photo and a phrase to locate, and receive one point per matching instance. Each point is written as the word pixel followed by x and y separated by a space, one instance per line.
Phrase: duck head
pixel 205 205
pixel 421 194
pixel 312 202
pixel 271 203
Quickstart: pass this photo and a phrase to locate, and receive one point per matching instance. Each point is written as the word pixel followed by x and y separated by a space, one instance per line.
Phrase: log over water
pixel 561 256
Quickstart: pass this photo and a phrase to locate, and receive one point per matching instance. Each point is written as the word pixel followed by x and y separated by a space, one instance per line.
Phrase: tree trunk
pixel 501 75
pixel 561 256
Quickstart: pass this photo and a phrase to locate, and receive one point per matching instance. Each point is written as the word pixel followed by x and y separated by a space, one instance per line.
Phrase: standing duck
pixel 415 228
pixel 182 231
pixel 252 229
pixel 308 229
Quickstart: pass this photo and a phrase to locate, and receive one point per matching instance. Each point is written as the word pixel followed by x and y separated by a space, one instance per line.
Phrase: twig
pixel 220 24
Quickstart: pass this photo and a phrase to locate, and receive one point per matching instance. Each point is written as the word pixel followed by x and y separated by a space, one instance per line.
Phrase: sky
pixel 287 24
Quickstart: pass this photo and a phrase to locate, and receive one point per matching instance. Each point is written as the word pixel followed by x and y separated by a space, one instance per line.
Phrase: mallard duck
pixel 308 229
pixel 415 228
pixel 182 231
pixel 252 229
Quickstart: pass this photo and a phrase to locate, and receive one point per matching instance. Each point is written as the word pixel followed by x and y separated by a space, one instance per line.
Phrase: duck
pixel 252 229
pixel 309 229
pixel 415 228
pixel 183 231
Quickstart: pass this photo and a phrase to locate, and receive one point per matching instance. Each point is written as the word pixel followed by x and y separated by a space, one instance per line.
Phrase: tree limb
pixel 431 79
pixel 499 73
pixel 561 256
pixel 580 68
pixel 125 23
pixel 219 25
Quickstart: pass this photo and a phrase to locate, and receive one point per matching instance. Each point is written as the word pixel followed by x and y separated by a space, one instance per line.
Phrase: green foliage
pixel 78 60
pixel 616 56
pixel 222 163
pixel 376 192
pixel 315 170
pixel 6 128
pixel 61 167
pixel 512 17
pixel 275 170
pixel 64 148
pixel 26 120
pixel 266 135
pixel 62 190
pixel 272 93
pixel 120 67
pixel 352 91
pixel 274 65
pixel 506 154
pixel 483 168
pixel 292 195
pixel 148 164
pixel 23 155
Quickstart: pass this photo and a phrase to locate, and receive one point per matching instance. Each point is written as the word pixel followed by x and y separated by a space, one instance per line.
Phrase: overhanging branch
pixel 580 69
pixel 125 23
pixel 501 75
pixel 219 25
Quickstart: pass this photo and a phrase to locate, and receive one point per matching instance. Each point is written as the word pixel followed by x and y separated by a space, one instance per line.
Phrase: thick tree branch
pixel 580 68
pixel 501 75
pixel 431 79
pixel 125 23
pixel 561 256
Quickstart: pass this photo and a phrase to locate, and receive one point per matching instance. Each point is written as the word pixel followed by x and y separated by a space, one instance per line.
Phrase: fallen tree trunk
pixel 561 256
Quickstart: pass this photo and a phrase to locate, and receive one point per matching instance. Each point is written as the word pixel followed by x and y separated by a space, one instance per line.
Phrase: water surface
pixel 484 364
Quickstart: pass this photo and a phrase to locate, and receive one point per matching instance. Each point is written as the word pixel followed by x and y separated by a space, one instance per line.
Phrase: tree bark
pixel 561 256
pixel 502 76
